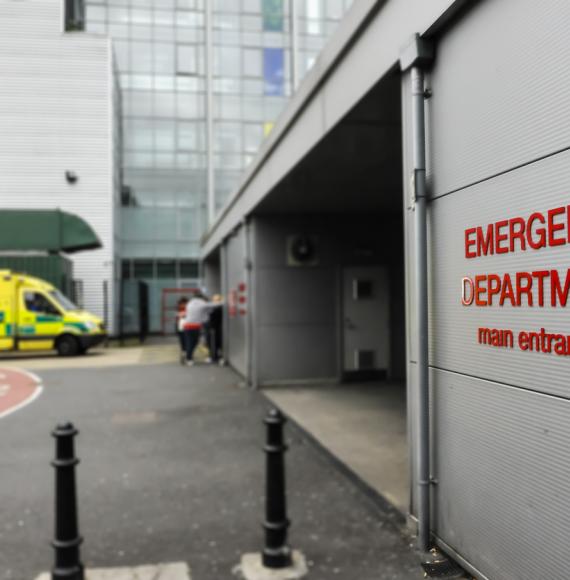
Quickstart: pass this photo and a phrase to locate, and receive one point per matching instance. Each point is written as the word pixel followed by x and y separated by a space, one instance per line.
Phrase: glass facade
pixel 202 83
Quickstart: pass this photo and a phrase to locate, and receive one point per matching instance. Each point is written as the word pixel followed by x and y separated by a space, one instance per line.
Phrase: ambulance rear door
pixel 7 312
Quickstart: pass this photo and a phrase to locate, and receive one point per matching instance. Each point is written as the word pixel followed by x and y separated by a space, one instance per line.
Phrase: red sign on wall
pixel 232 303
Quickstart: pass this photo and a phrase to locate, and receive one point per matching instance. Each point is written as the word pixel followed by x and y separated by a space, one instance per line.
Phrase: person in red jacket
pixel 180 315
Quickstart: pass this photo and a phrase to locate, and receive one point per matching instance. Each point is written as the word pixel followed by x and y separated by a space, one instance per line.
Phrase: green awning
pixel 45 230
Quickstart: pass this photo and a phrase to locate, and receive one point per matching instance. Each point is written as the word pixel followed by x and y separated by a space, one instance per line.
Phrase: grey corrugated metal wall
pixel 57 114
pixel 499 135
pixel 236 288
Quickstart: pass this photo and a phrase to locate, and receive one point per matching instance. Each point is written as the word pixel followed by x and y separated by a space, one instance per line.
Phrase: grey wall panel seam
pixel 500 383
pixel 499 174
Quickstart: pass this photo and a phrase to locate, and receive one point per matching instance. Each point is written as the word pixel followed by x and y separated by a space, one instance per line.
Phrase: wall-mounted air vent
pixel 302 250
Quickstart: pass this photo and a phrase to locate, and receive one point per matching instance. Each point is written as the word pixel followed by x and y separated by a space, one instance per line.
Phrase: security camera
pixel 71 176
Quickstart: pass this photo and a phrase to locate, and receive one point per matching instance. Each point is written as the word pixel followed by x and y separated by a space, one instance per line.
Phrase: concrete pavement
pixel 94 358
pixel 171 471
pixel 362 425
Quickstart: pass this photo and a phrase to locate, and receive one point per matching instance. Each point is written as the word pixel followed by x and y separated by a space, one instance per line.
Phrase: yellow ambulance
pixel 34 315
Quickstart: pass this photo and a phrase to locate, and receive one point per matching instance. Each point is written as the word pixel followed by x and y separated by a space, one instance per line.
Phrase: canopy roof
pixel 45 230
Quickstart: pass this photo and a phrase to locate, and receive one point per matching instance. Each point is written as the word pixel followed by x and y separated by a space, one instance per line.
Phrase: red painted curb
pixel 17 389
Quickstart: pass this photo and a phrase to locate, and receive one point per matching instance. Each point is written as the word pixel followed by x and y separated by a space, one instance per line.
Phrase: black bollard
pixel 276 553
pixel 67 540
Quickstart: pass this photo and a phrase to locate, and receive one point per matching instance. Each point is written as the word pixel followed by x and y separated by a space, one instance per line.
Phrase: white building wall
pixel 57 113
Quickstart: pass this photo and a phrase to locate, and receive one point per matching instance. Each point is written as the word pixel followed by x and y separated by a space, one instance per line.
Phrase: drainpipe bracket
pixel 419 52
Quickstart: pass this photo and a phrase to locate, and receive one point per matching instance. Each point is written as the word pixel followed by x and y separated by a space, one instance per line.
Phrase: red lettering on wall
pixel 480 289
pixel 517 229
pixel 467 291
pixel 507 291
pixel 485 243
pixel 555 227
pixel 494 285
pixel 540 275
pixel 523 340
pixel 524 286
pixel 540 231
pixel 556 290
pixel 501 237
pixel 469 253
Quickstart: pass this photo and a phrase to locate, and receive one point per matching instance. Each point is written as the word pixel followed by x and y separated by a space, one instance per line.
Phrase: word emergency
pixel 539 230
pixel 528 288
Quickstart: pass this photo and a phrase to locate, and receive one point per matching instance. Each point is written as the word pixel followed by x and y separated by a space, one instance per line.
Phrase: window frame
pixel 74 16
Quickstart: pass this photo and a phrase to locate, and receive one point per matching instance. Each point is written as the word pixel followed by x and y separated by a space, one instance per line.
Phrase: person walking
pixel 180 316
pixel 215 330
pixel 197 314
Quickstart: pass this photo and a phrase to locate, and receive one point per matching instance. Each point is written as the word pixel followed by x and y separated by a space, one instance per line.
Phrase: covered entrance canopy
pixel 46 231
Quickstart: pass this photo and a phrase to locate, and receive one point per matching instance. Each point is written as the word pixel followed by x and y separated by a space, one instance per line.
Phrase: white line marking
pixel 33 376
pixel 37 393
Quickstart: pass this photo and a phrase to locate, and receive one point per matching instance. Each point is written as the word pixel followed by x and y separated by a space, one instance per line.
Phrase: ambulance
pixel 34 315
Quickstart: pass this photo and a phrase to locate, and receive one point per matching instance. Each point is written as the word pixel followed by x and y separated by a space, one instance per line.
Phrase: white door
pixel 366 310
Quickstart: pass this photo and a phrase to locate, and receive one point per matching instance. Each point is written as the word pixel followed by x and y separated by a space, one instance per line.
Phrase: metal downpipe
pixel 421 297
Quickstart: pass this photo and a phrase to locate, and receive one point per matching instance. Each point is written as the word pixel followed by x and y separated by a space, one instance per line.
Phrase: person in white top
pixel 197 315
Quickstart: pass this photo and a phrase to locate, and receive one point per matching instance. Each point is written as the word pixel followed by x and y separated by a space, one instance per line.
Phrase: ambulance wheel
pixel 67 345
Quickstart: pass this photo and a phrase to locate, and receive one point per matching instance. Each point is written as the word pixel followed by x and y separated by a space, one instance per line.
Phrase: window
pixel 62 300
pixel 274 71
pixel 144 269
pixel 94 13
pixel 273 15
pixel 166 269
pixel 126 269
pixel 188 269
pixel 187 61
pixel 252 62
pixel 362 289
pixel 227 61
pixel 74 15
pixel 38 303
pixel 119 14
pixel 191 136
pixel 252 135
pixel 164 58
pixel 251 6
pixel 227 137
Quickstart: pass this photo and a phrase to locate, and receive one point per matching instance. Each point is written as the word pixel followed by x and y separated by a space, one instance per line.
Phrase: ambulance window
pixel 36 302
pixel 63 300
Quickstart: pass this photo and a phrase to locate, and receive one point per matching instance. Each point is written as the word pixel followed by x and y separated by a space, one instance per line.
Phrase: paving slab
pixel 176 571
pixel 252 568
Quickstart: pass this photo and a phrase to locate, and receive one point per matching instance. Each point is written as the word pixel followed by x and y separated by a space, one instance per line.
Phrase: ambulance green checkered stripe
pixel 9 329
pixel 26 329
pixel 2 316
pixel 47 318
